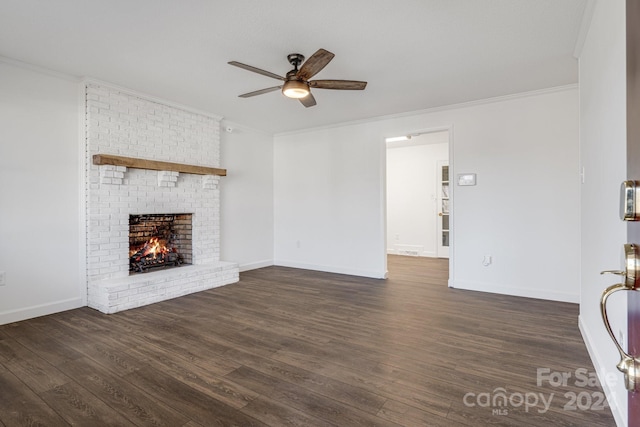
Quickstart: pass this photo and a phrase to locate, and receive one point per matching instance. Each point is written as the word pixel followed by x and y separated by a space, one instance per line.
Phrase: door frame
pixel 633 173
pixel 452 227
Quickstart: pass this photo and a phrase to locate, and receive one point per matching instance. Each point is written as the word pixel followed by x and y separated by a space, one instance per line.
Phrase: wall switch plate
pixel 3 278
pixel 465 179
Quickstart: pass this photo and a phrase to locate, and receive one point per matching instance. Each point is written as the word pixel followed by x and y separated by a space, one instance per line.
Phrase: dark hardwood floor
pixel 286 347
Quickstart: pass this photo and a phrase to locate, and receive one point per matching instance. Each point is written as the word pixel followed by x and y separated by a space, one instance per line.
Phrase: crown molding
pixel 89 80
pixel 39 69
pixel 468 104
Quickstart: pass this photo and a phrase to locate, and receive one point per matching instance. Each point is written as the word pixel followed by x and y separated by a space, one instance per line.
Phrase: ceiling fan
pixel 297 83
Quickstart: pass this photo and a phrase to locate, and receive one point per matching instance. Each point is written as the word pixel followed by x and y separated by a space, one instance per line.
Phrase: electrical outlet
pixel 3 278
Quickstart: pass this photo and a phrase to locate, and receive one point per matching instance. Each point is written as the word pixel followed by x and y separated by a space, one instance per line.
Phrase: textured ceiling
pixel 415 54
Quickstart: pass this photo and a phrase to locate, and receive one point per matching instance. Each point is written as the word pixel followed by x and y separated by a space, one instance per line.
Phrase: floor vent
pixel 408 250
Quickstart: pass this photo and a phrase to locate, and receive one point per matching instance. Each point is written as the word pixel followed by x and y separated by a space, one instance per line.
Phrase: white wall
pixel 524 209
pixel 39 195
pixel 603 156
pixel 329 195
pixel 328 192
pixel 412 209
pixel 247 197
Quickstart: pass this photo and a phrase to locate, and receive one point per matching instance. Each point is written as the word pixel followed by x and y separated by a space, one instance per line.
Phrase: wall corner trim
pixel 585 25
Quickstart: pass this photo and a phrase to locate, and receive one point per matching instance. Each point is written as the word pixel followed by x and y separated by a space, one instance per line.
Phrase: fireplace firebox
pixel 159 241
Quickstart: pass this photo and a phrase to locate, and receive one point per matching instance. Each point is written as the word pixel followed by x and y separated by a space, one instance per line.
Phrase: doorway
pixel 418 194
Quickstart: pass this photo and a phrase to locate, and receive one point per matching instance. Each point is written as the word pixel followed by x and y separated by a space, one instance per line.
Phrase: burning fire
pixel 154 247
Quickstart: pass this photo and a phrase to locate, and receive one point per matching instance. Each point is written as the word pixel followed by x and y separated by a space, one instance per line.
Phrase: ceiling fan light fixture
pixel 295 89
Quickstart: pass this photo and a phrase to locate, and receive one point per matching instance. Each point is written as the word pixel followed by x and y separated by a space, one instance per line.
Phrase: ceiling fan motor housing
pixel 295 59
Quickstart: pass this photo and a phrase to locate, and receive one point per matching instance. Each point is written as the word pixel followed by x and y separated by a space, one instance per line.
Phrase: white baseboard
pixel 332 269
pixel 429 254
pixel 618 413
pixel 40 310
pixel 256 265
pixel 518 292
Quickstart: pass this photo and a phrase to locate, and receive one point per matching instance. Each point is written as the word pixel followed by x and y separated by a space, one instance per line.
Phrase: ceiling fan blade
pixel 259 92
pixel 338 84
pixel 255 70
pixel 314 64
pixel 308 101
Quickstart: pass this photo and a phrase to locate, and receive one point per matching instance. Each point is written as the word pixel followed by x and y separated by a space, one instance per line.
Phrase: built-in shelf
pixel 132 162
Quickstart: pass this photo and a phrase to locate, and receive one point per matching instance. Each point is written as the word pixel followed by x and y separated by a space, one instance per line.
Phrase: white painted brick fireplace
pixel 126 124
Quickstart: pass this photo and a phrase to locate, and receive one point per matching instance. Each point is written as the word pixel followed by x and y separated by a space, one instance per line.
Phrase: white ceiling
pixel 415 54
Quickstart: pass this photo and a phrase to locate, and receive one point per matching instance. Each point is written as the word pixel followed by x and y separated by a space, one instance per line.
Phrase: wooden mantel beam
pixel 132 162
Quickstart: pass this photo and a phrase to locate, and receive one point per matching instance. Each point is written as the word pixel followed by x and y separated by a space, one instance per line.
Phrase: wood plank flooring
pixel 287 347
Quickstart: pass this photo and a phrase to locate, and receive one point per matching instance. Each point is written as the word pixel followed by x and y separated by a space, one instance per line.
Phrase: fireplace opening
pixel 159 241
